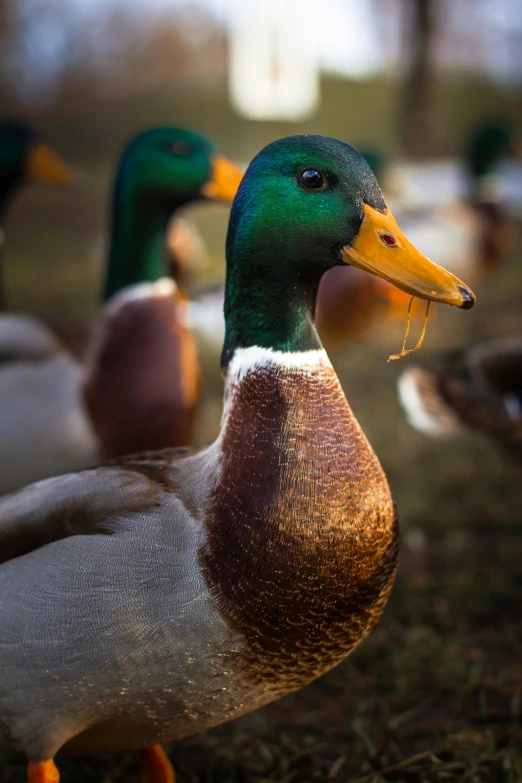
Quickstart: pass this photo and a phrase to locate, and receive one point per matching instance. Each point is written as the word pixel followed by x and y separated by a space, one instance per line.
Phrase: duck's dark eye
pixel 311 178
pixel 388 239
pixel 180 148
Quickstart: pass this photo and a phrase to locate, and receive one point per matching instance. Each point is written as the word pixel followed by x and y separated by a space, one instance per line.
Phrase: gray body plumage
pixel 131 648
pixel 44 430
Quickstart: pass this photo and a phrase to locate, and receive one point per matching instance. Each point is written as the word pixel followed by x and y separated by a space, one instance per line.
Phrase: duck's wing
pixel 84 503
pixel 100 592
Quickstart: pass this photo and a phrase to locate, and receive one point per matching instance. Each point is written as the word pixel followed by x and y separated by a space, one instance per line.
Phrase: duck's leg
pixel 42 772
pixel 155 765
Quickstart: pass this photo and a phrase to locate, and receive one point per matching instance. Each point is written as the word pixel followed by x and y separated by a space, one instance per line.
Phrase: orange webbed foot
pixel 42 772
pixel 155 765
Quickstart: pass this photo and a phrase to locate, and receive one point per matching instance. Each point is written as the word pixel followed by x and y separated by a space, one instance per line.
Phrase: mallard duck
pixel 153 597
pixel 141 387
pixel 477 388
pixel 25 157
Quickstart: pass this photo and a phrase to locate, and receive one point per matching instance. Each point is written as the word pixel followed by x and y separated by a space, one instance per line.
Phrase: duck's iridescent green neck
pixel 271 285
pixel 264 310
pixel 137 244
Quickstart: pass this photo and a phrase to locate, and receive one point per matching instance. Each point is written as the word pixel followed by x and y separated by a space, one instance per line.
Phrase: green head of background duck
pixel 24 157
pixel 144 386
pixel 217 581
pixel 160 171
pixel 487 147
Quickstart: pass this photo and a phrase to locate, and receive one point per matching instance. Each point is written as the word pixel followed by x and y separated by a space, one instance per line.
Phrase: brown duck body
pixel 140 389
pixel 144 385
pixel 347 304
pixel 274 552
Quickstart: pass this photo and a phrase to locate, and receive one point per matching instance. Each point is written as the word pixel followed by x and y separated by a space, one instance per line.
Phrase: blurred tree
pixel 59 54
pixel 417 119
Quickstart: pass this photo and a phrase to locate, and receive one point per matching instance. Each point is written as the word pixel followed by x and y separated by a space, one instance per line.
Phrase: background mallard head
pixel 161 170
pixel 486 147
pixel 24 157
pixel 166 167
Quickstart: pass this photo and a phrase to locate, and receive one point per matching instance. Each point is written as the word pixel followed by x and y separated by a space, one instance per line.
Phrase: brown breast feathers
pixel 302 536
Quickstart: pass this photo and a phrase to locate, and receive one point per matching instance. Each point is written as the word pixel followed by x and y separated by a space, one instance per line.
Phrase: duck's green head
pixel 161 170
pixel 24 156
pixel 170 166
pixel 305 205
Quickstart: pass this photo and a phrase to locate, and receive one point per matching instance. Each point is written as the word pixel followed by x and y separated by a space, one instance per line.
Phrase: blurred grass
pixel 435 692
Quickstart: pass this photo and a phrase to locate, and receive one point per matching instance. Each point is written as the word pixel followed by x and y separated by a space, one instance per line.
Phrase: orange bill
pixel 224 180
pixel 45 164
pixel 382 249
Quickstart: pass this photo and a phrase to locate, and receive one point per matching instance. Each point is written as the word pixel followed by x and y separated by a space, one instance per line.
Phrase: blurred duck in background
pixel 467 227
pixel 25 158
pixel 471 233
pixel 348 307
pixel 142 384
pixel 478 388
pixel 273 550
